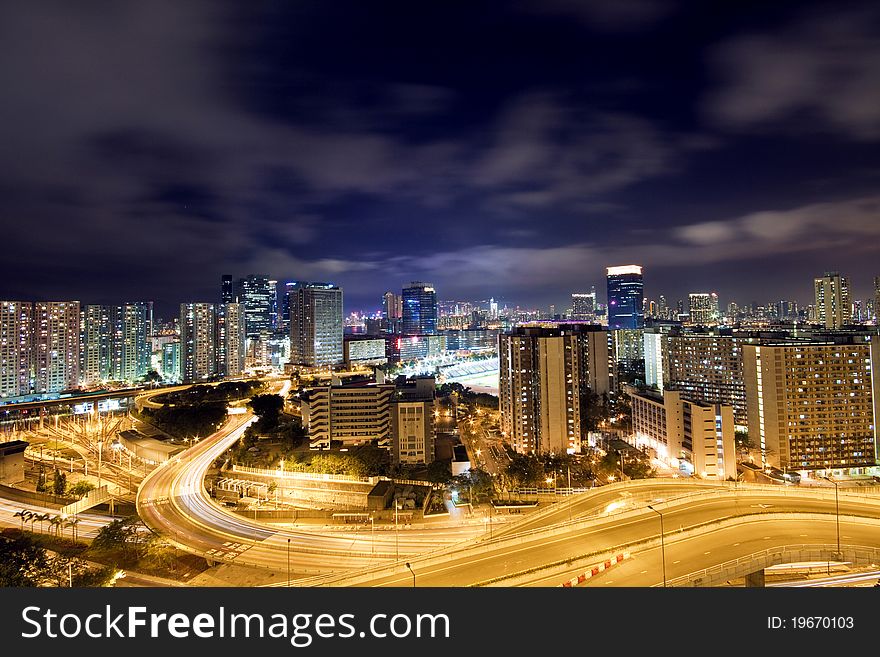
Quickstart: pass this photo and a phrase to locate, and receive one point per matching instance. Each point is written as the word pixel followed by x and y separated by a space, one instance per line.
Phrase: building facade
pixel 231 335
pixel 814 406
pixel 626 295
pixel 56 345
pixel 419 309
pixel 545 374
pixel 703 308
pixel 832 307
pixel 316 325
pixel 412 421
pixel 675 428
pixel 198 341
pixel 16 348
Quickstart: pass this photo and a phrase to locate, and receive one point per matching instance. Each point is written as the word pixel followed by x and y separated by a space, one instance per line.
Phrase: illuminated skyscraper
pixel 97 344
pixel 230 339
pixel 56 345
pixel 832 300
pixel 16 329
pixel 583 305
pixel 419 309
pixel 198 358
pixel 392 306
pixel 703 308
pixel 625 297
pixel 227 289
pixel 316 325
pixel 256 293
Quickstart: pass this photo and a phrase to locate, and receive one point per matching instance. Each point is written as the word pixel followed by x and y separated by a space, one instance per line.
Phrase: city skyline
pixel 739 158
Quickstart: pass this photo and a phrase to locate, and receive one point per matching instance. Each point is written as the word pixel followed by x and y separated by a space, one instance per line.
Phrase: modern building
pixel 412 421
pixel 227 289
pixel 626 292
pixel 419 309
pixel 171 361
pixel 814 406
pixel 316 325
pixel 16 348
pixel 56 345
pixel 545 373
pixel 116 342
pixel 471 340
pixel 230 334
pixel 257 294
pixel 392 305
pixel 416 347
pixel 364 351
pixel 198 341
pixel 351 413
pixel 676 429
pixel 832 300
pixel 703 308
pixel 877 299
pixel 98 335
pixel 583 306
pixel 705 366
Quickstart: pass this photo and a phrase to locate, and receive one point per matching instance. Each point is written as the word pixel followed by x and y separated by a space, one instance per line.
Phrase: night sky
pixel 506 149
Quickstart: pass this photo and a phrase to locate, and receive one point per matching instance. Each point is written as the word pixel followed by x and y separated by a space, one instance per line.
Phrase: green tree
pixel 81 488
pixel 525 470
pixel 59 483
pixel 440 472
pixel 125 536
pixel 269 408
pixel 23 562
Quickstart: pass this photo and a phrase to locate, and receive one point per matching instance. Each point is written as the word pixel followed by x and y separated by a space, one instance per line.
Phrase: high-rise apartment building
pixel 813 406
pixel 316 325
pixel 353 413
pixel 626 293
pixel 832 300
pixel 419 309
pixel 545 373
pixel 705 366
pixel 56 345
pixel 16 348
pixel 116 342
pixel 703 308
pixel 230 336
pixel 198 326
pixel 877 299
pixel 392 305
pixel 583 306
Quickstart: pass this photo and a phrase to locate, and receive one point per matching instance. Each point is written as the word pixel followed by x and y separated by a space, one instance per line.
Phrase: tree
pixel 152 377
pixel 59 483
pixel 24 514
pixel 269 408
pixel 22 562
pixel 81 488
pixel 439 472
pixel 125 536
pixel 525 470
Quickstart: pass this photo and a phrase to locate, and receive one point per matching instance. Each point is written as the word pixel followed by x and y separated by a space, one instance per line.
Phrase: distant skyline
pixel 495 149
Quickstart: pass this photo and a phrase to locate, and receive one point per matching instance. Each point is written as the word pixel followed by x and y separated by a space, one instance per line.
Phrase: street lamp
pixel 288 562
pixel 837 509
pixel 413 573
pixel 662 544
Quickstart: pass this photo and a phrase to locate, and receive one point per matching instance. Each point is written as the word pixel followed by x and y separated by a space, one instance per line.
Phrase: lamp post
pixel 288 562
pixel 837 511
pixel 413 573
pixel 662 544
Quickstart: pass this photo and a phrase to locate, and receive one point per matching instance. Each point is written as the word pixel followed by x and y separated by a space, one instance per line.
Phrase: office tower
pixel 230 335
pixel 256 294
pixel 392 306
pixel 813 406
pixel 285 292
pixel 56 349
pixel 98 333
pixel 198 357
pixel 583 306
pixel 275 309
pixel 703 308
pixel 675 428
pixel 832 300
pixel 316 325
pixel 705 366
pixel 227 289
pixel 625 297
pixel 545 374
pixel 412 421
pixel 493 308
pixel 16 330
pixel 663 308
pixel 419 309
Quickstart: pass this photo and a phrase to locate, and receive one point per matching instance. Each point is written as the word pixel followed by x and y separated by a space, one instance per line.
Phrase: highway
pixel 173 502
pixel 502 558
